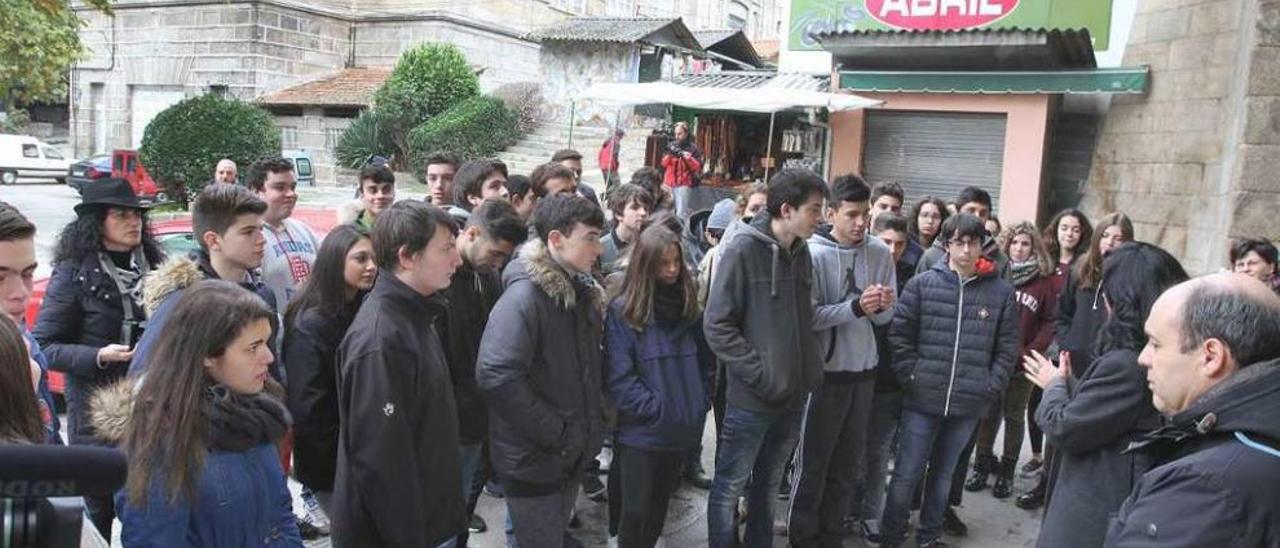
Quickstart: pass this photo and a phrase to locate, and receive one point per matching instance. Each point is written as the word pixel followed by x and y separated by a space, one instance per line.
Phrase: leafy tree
pixel 184 142
pixel 427 80
pixel 39 42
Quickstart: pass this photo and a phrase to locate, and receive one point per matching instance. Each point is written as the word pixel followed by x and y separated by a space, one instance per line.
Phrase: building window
pixel 737 23
pixel 331 137
pixel 288 137
pixel 219 90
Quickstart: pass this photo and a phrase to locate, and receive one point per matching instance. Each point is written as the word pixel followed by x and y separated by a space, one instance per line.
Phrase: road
pixel 992 523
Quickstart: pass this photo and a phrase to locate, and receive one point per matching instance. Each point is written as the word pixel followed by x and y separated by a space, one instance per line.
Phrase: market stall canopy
pixel 767 98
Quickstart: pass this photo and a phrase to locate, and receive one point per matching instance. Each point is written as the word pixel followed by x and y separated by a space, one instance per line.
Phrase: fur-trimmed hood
pixel 109 410
pixel 350 211
pixel 174 275
pixel 534 262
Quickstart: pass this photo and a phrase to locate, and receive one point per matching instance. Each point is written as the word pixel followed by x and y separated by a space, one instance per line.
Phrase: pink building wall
pixel 1026 135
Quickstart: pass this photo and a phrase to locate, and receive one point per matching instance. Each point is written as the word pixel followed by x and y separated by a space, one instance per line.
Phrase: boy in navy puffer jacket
pixel 955 342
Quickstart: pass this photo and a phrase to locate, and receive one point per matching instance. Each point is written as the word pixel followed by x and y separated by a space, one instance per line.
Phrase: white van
pixel 26 157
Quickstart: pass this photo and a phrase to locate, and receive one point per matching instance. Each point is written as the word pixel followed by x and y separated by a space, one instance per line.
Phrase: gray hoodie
pixel 845 337
pixel 759 320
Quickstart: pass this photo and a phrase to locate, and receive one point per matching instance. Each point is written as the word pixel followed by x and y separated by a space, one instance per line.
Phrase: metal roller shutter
pixel 935 153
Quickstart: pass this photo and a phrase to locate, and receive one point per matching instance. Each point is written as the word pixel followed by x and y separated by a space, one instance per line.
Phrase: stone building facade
pixel 153 54
pixel 1196 161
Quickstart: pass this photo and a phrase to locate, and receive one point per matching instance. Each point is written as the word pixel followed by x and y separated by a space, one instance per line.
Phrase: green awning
pixel 1087 81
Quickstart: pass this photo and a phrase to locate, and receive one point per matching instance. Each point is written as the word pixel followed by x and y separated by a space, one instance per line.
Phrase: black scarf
pixel 668 303
pixel 238 422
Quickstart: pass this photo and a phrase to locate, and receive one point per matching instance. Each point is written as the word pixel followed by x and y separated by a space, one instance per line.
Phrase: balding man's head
pixel 225 172
pixel 1202 331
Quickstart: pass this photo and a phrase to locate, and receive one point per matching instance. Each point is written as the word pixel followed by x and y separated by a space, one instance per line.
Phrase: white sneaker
pixel 315 514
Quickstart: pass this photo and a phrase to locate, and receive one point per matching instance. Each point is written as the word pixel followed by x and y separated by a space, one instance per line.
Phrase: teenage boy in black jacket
pixel 539 369
pixel 955 340
pixel 398 479
pixel 759 322
pixel 492 232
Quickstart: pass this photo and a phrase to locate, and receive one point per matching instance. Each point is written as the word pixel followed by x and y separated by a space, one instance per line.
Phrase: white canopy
pixel 766 98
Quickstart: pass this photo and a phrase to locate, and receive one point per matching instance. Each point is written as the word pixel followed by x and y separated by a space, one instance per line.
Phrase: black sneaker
pixel 307 530
pixel 935 544
pixel 594 488
pixel 477 524
pixel 952 525
pixel 1032 467
pixel 870 530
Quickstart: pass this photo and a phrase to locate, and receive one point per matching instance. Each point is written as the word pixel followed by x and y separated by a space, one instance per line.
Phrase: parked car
pixel 26 157
pixel 301 166
pixel 175 236
pixel 88 170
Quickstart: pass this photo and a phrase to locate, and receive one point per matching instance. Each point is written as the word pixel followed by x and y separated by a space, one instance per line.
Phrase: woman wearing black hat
pixel 92 313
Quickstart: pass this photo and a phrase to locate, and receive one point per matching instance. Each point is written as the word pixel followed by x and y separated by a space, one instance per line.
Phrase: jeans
pixel 868 502
pixel 648 479
pixel 540 522
pixel 469 458
pixel 832 445
pixel 753 445
pixel 681 196
pixel 923 440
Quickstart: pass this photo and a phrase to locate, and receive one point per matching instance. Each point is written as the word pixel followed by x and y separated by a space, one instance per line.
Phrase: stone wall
pixel 504 57
pixel 1196 161
pixel 568 68
pixel 176 51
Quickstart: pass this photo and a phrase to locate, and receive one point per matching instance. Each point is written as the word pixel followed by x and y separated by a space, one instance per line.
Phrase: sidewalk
pixel 992 523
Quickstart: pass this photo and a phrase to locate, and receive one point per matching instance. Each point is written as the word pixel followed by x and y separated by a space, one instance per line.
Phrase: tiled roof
pixel 605 29
pixel 708 38
pixel 767 49
pixel 754 79
pixel 353 87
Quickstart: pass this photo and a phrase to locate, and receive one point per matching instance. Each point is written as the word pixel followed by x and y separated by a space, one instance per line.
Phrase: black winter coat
pixel 1081 314
pixel 311 360
pixel 954 343
pixel 1217 486
pixel 83 311
pixel 540 373
pixel 471 297
pixel 399 479
pixel 1089 423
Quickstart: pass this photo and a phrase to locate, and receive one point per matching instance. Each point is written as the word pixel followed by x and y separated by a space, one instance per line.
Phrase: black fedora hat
pixel 107 193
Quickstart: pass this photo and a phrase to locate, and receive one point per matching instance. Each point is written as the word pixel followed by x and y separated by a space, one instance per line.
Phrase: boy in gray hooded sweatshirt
pixel 759 320
pixel 854 283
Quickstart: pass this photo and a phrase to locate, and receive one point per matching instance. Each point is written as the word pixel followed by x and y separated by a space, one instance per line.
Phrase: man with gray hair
pixel 225 172
pixel 1213 364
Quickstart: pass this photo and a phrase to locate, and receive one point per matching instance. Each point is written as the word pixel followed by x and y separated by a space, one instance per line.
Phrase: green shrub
pixel 427 81
pixel 184 142
pixel 366 136
pixel 475 128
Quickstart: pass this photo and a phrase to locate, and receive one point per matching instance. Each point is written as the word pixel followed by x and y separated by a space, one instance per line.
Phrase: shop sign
pixel 814 16
pixel 939 14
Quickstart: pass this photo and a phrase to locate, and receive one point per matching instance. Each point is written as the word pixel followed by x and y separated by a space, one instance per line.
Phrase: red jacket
pixel 680 170
pixel 608 156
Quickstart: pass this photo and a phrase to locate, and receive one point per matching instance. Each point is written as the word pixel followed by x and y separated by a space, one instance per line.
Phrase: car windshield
pixel 52 153
pixel 177 244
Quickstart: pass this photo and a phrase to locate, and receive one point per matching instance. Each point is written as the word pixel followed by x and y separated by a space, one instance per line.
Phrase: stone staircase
pixel 537 147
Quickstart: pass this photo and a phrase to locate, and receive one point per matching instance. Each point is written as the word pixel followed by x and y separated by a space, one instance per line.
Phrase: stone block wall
pixel 504 57
pixel 244 49
pixel 568 68
pixel 1196 161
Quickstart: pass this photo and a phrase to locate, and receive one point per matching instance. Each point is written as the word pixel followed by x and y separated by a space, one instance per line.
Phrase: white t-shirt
pixel 286 263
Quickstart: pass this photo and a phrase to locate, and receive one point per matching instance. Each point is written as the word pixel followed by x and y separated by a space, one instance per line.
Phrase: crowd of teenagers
pixel 502 336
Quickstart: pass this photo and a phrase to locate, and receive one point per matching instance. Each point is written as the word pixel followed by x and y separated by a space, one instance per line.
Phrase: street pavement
pixel 992 523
